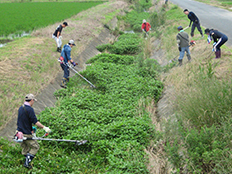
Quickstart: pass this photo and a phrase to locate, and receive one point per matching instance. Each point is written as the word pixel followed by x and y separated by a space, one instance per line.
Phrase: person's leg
pixel 188 53
pixel 33 149
pixel 217 46
pixel 57 42
pixel 199 28
pixel 192 29
pixel 25 148
pixel 181 56
pixel 65 77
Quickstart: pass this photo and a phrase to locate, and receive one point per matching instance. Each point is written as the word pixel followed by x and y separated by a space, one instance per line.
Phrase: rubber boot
pixel 58 49
pixel 217 54
pixel 180 62
pixel 64 83
pixel 189 58
pixel 29 158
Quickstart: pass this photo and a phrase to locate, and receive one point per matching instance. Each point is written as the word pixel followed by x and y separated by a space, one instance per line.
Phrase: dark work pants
pixel 198 27
pixel 66 70
pixel 220 42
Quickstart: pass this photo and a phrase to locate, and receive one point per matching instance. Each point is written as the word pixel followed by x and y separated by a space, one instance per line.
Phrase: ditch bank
pixel 46 97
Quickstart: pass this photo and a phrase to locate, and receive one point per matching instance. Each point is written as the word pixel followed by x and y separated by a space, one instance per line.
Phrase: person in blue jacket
pixel 219 39
pixel 65 59
pixel 196 22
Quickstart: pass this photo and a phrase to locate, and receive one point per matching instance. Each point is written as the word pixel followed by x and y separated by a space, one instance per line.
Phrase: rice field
pixel 16 18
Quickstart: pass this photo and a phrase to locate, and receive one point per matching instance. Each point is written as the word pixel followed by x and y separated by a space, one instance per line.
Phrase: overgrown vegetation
pixel 116 128
pixel 110 117
pixel 198 138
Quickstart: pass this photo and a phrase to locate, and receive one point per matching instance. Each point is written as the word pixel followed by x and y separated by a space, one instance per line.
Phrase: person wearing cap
pixel 146 27
pixel 27 117
pixel 57 35
pixel 219 39
pixel 66 58
pixel 182 39
pixel 196 22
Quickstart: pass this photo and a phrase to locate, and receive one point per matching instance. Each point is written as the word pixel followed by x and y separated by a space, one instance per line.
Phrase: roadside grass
pixel 198 137
pixel 218 3
pixel 21 1
pixel 28 64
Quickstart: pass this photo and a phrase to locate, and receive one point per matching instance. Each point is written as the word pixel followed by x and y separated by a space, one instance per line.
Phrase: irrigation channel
pixel 46 97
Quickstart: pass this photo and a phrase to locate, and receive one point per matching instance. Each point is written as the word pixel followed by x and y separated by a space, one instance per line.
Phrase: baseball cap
pixel 180 28
pixel 72 42
pixel 207 31
pixel 30 97
pixel 65 23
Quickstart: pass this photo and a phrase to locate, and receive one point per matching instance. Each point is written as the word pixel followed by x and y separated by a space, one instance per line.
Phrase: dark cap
pixel 180 28
pixel 65 23
pixel 185 10
pixel 207 31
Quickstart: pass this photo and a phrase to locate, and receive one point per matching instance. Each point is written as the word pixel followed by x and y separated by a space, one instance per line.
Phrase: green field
pixel 25 17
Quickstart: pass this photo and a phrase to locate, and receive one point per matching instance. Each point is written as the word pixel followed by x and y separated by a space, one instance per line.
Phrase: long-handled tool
pixel 80 75
pixel 77 142
pixel 186 28
pixel 67 64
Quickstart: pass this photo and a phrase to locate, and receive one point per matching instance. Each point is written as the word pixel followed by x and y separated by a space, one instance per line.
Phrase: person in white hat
pixel 146 27
pixel 27 117
pixel 66 58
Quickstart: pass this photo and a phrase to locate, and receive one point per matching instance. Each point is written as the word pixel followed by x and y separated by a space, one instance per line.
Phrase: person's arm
pixel 43 127
pixel 142 27
pixel 39 125
pixel 58 34
pixel 214 37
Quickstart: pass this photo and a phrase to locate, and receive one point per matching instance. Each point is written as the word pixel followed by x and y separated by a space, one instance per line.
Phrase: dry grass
pixel 28 64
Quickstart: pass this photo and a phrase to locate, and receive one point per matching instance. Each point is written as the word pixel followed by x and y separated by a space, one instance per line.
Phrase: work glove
pixel 150 29
pixel 47 129
pixel 214 43
pixel 196 21
pixel 74 64
pixel 189 25
pixel 179 48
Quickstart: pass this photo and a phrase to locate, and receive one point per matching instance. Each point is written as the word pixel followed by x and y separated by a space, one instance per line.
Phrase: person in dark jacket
pixel 57 35
pixel 66 58
pixel 219 39
pixel 196 22
pixel 27 117
pixel 182 39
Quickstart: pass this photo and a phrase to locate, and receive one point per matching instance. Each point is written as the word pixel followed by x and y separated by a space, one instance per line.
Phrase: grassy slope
pixel 189 95
pixel 29 63
pixel 226 4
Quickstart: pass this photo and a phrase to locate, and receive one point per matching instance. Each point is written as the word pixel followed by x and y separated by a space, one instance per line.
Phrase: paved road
pixel 210 17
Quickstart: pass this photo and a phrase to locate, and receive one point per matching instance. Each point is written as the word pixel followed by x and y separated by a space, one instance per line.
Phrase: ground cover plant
pixel 126 44
pixel 25 17
pixel 107 117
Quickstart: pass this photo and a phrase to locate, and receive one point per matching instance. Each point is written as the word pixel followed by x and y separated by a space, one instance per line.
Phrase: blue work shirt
pixel 24 122
pixel 66 53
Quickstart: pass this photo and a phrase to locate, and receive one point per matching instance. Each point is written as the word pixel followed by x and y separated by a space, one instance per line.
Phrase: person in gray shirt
pixel 182 39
